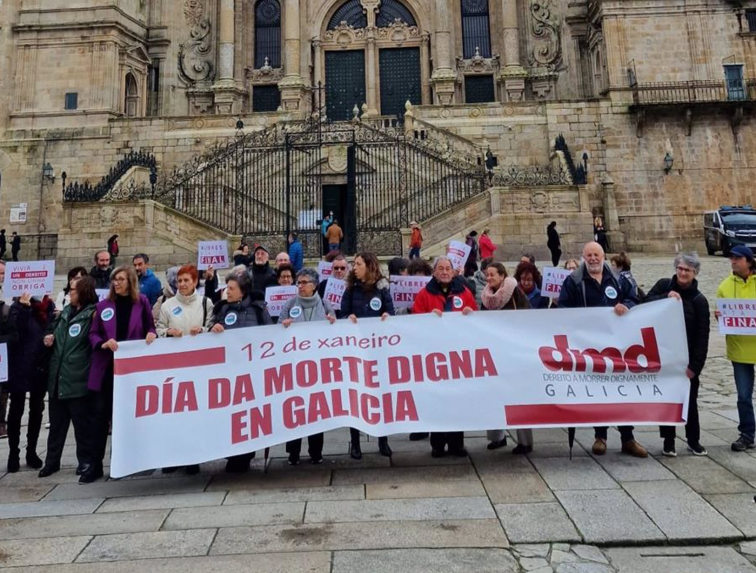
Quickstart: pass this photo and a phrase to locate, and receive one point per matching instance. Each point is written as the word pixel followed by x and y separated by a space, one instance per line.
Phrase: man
pixel 593 284
pixel 149 284
pixel 416 241
pixel 296 252
pixel 741 349
pixel 259 272
pixel 339 270
pixel 15 246
pixel 3 244
pixel 445 293
pixel 324 224
pixel 334 236
pixel 282 258
pixel 101 270
pixel 554 243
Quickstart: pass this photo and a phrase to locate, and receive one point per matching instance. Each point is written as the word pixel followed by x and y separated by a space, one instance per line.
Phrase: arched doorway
pixel 131 103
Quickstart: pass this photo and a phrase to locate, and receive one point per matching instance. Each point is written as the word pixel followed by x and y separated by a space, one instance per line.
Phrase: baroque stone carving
pixel 398 32
pixel 195 62
pixel 344 34
pixel 265 74
pixel 546 31
pixel 193 10
pixel 478 64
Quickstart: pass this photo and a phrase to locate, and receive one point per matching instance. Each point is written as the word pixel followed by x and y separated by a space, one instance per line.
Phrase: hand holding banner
pixel 276 298
pixel 738 316
pixel 212 254
pixel 34 277
pixel 553 277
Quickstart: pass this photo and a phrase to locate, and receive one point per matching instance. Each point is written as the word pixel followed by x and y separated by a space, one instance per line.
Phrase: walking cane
pixel 265 461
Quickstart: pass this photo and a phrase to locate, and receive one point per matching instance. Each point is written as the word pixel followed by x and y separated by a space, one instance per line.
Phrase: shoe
pixel 496 444
pixel 437 453
pixel 192 470
pixel 697 449
pixel 599 447
pixel 33 461
pixel 47 426
pixel 669 448
pixel 3 432
pixel 742 444
pixel 293 459
pixel 355 451
pixel 168 470
pixel 316 460
pixel 522 449
pixel 14 464
pixel 634 449
pixel 417 436
pixel 384 448
pixel 237 465
pixel 459 453
pixel 82 468
pixel 93 473
pixel 47 471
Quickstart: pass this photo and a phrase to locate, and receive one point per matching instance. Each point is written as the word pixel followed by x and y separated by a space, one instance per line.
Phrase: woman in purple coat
pixel 124 315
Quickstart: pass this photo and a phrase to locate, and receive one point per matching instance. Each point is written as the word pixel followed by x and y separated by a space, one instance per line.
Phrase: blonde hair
pixel 131 280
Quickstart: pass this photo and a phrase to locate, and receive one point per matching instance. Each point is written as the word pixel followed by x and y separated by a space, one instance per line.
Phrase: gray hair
pixel 171 275
pixel 441 259
pixel 310 274
pixel 689 259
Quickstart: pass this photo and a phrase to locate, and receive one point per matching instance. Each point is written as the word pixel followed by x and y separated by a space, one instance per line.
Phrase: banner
pixel 738 316
pixel 334 291
pixel 404 288
pixel 458 253
pixel 34 277
pixel 276 298
pixel 553 278
pixel 212 253
pixel 324 270
pixel 3 362
pixel 197 398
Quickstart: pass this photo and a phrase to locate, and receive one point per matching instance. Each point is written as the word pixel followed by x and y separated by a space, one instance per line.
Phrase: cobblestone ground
pixel 490 512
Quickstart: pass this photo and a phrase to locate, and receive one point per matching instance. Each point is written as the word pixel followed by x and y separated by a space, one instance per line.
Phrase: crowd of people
pixel 64 349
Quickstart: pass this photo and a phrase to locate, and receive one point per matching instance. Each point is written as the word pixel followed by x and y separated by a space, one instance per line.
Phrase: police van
pixel 728 227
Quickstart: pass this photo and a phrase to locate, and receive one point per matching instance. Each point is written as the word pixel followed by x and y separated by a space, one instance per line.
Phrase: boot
pixel 384 448
pixel 33 460
pixel 355 451
pixel 14 463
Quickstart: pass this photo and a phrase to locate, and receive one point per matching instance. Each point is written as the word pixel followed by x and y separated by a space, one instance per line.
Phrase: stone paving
pixel 489 512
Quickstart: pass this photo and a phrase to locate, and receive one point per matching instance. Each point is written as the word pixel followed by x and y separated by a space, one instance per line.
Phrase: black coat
pixel 553 241
pixel 248 312
pixel 101 278
pixel 28 357
pixel 697 318
pixel 262 277
pixel 16 244
pixel 357 298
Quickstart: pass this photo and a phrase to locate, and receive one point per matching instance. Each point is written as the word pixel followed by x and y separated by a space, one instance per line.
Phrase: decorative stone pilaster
pixel 292 86
pixel 616 237
pixel 444 78
pixel 512 76
pixel 227 97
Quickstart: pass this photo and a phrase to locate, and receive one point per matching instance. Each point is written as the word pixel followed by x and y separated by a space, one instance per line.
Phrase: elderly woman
pixel 285 274
pixel 529 279
pixel 124 315
pixel 501 293
pixel 69 374
pixel 307 306
pixel 169 290
pixel 445 293
pixel 684 287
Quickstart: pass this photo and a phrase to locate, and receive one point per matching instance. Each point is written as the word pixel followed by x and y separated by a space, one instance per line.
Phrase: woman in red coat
pixel 487 247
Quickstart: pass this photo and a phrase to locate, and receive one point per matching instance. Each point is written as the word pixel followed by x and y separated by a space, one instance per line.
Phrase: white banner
pixel 334 292
pixel 324 270
pixel 738 316
pixel 192 399
pixel 553 278
pixel 405 288
pixel 276 298
pixel 458 253
pixel 212 253
pixel 34 277
pixel 3 362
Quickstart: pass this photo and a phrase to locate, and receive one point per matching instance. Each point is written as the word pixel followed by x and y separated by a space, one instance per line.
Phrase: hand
pixel 218 328
pixel 353 318
pixel 467 311
pixel 209 273
pixel 675 295
pixel 25 299
pixel 287 323
pixel 150 337
pixel 717 314
pixel 111 345
pixel 175 333
pixel 620 310
pixel 690 374
pixel 49 339
pixel 331 318
pixel 384 316
pixel 195 330
pixel 437 312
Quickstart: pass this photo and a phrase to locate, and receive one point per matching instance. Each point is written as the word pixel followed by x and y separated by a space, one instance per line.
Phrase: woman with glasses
pixel 307 306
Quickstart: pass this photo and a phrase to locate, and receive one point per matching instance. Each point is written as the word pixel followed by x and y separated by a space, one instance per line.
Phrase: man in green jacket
pixel 741 350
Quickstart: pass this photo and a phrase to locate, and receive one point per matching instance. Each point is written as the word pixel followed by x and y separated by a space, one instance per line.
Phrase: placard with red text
pixel 34 277
pixel 738 316
pixel 212 254
pixel 553 278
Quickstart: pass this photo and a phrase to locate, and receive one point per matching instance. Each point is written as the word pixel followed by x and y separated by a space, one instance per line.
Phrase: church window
pixel 751 19
pixel 390 11
pixel 268 33
pixel 479 89
pixel 350 12
pixel 131 103
pixel 72 100
pixel 476 31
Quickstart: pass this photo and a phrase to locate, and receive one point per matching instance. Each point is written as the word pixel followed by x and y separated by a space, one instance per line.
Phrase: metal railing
pixel 695 91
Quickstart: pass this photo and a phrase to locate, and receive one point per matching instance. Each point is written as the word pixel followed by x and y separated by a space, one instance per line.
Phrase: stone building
pixel 511 113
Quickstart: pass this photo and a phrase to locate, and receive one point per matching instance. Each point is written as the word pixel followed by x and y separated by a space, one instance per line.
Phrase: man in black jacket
pixel 260 274
pixel 3 244
pixel 15 245
pixel 101 270
pixel 684 287
pixel 594 284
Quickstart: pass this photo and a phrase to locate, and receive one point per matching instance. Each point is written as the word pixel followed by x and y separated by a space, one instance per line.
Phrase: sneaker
pixel 697 450
pixel 316 460
pixel 599 447
pixel 47 426
pixel 293 459
pixel 634 449
pixel 742 444
pixel 669 448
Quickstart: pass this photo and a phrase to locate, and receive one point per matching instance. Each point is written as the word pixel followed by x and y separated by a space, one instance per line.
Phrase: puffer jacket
pixel 184 313
pixel 71 353
pixel 455 299
pixel 358 300
pixel 248 312
pixel 739 348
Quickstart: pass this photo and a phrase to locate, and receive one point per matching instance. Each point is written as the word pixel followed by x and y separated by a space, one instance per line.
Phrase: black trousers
pixel 455 440
pixel 626 433
pixel 14 254
pixel 3 405
pixel 102 414
pixel 692 427
pixel 314 446
pixel 556 254
pixel 16 412
pixel 62 413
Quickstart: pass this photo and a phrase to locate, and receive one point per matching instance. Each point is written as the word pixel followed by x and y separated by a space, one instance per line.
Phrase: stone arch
pixel 328 9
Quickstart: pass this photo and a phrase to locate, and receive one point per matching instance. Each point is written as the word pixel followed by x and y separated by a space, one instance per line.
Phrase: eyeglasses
pixel 685 270
pixel 120 280
pixel 303 283
pixel 339 268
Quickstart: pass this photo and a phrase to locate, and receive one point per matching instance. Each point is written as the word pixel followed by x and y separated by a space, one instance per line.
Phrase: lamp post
pixel 48 172
pixel 668 162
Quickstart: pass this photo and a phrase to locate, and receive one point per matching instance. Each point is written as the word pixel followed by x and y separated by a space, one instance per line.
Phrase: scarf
pixel 499 299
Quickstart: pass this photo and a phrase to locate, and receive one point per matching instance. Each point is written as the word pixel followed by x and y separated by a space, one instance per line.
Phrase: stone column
pixel 444 76
pixel 371 76
pixel 292 86
pixel 513 74
pixel 425 69
pixel 228 97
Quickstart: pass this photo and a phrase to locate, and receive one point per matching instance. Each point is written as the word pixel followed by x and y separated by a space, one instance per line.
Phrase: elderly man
pixel 282 258
pixel 445 292
pixel 594 284
pixel 260 274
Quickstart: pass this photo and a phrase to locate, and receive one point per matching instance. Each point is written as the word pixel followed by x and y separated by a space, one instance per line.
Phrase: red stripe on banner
pixel 190 359
pixel 566 414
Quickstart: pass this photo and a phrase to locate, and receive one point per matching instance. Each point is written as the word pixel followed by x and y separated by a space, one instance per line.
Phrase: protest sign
pixel 334 291
pixel 3 362
pixel 102 294
pixel 325 270
pixel 553 278
pixel 34 277
pixel 404 288
pixel 276 298
pixel 212 253
pixel 738 316
pixel 192 399
pixel 458 253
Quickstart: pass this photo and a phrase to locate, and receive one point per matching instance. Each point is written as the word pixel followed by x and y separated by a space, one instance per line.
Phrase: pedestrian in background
pixel 334 236
pixel 3 244
pixel 471 264
pixel 416 240
pixel 554 243
pixel 15 245
pixel 487 247
pixel 149 284
pixel 296 252
pixel 113 249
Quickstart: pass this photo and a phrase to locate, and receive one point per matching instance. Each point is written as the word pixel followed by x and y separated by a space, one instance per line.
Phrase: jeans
pixel 692 426
pixel 333 246
pixel 744 383
pixel 414 253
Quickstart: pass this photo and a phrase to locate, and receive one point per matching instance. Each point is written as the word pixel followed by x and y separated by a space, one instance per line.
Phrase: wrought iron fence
pixel 86 192
pixel 698 91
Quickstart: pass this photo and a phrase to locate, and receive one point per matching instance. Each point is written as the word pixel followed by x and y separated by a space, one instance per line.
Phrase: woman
pixel 684 287
pixel 307 306
pixel 27 375
pixel 554 243
pixel 501 293
pixel 124 315
pixel 242 308
pixel 572 265
pixel 622 264
pixel 241 255
pixel 367 295
pixel 528 277
pixel 63 299
pixel 69 374
pixel 285 274
pixel 113 249
pixel 487 247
